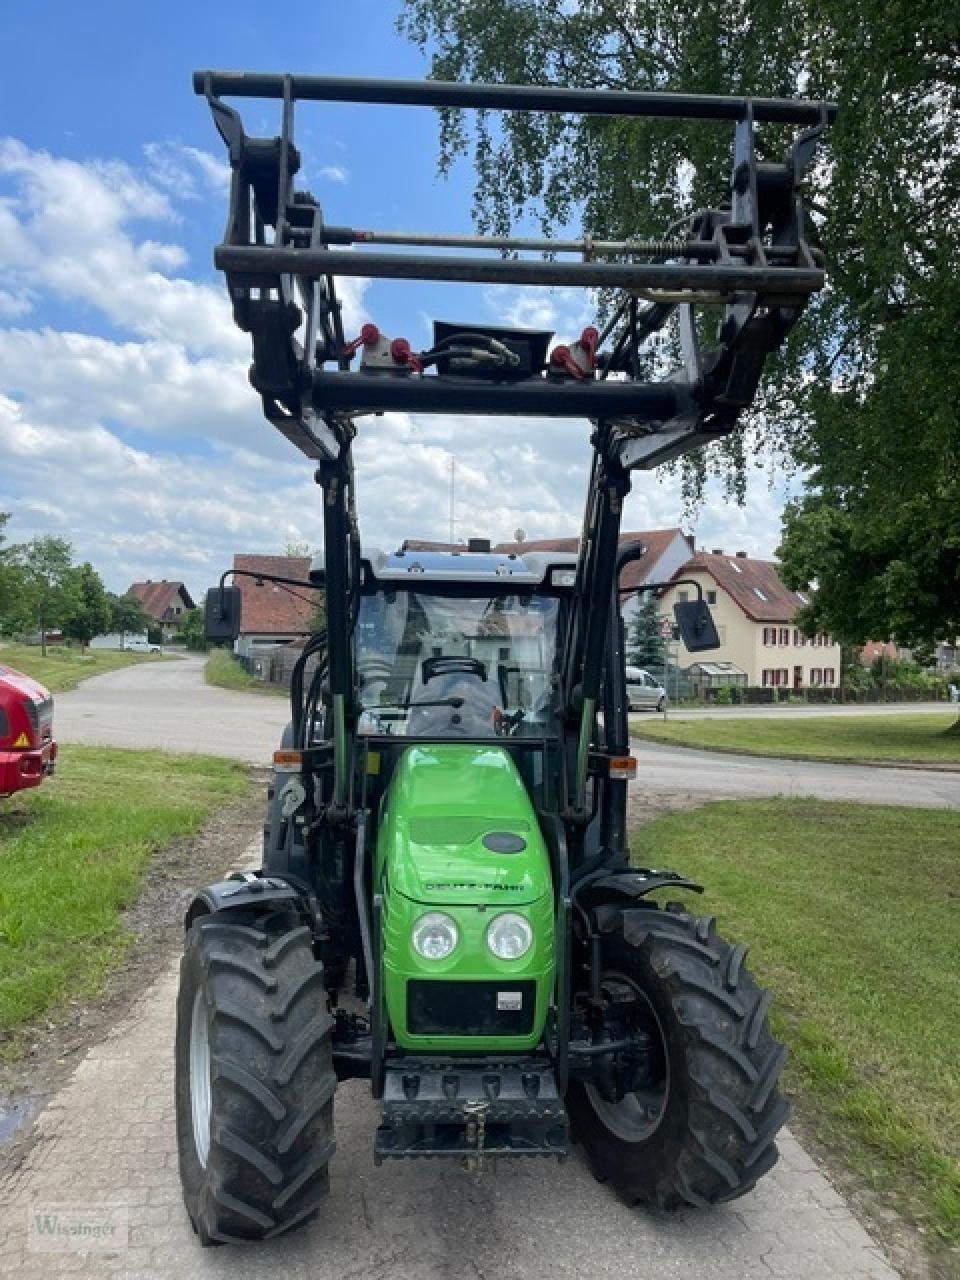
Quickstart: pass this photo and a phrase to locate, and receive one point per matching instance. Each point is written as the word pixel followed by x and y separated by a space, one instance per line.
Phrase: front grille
pixel 441 1008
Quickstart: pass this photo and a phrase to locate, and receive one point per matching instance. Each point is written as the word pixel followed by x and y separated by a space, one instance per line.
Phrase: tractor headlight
pixel 435 936
pixel 509 937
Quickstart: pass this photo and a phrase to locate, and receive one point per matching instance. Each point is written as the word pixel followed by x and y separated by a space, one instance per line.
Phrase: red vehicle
pixel 27 748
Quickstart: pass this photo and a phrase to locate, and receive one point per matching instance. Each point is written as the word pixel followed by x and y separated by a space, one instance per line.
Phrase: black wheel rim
pixel 637 1115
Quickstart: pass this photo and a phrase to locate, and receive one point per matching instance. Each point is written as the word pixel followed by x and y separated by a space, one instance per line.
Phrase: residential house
pixel 165 603
pixel 271 613
pixel 755 617
pixel 665 550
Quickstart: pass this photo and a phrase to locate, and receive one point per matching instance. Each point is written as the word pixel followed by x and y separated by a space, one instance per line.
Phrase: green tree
pixel 192 631
pixel 864 396
pixel 11 584
pixel 128 614
pixel 646 646
pixel 90 612
pixel 48 594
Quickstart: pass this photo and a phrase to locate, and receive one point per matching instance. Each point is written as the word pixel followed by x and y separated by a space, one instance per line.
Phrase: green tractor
pixel 447 906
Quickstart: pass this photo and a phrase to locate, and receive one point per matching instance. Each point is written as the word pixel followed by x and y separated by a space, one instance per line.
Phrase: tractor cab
pixel 460 644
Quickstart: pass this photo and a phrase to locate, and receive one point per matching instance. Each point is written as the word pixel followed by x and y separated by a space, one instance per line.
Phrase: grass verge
pixel 920 739
pixel 63 669
pixel 72 855
pixel 224 671
pixel 852 912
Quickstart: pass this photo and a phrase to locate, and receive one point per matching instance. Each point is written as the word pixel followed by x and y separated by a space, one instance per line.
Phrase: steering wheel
pixel 453 665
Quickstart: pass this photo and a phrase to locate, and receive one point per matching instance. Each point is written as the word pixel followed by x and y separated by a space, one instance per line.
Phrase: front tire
pixel 704 1132
pixel 254 1076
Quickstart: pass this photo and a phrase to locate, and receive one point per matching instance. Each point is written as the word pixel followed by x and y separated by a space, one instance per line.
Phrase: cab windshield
pixel 434 665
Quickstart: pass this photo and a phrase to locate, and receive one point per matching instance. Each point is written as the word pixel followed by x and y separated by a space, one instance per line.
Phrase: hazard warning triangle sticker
pixel 22 741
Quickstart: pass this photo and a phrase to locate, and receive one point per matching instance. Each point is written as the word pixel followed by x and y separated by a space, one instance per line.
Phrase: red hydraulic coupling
pixel 580 358
pixel 402 353
pixel 588 342
pixel 369 337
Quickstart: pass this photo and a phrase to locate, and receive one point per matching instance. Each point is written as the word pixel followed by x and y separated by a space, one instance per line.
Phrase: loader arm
pixel 282 261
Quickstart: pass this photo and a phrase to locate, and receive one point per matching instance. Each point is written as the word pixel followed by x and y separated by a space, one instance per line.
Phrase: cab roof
pixel 528 569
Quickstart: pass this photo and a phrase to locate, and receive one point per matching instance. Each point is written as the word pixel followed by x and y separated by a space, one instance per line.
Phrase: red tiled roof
pixel 636 573
pixel 159 597
pixel 271 609
pixel 742 579
pixel 874 649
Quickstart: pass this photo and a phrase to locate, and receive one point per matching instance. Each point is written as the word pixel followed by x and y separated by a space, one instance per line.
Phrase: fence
pixel 274 663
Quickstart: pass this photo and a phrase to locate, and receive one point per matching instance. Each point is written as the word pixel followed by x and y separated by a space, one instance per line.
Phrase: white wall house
pixel 754 613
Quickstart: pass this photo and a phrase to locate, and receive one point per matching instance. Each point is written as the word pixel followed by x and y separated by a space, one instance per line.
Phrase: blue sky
pixel 126 422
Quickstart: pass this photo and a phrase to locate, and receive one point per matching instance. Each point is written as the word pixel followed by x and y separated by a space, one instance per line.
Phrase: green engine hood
pixel 450 812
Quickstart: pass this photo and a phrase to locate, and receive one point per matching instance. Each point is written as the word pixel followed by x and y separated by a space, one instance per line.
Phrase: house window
pixel 799 639
pixel 769 636
pixel 759 594
pixel 816 676
pixel 784 635
pixel 711 597
pixel 503 654
pixel 784 676
pixel 775 677
pixel 735 567
pixel 828 674
pixel 683 596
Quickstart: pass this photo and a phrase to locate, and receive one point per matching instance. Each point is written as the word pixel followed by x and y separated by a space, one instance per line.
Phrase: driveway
pixel 168 705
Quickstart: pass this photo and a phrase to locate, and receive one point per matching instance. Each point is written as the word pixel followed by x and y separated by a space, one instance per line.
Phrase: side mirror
pixel 221 616
pixel 697 629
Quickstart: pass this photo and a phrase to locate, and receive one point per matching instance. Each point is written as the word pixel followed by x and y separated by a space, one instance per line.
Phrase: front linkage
pixel 505 972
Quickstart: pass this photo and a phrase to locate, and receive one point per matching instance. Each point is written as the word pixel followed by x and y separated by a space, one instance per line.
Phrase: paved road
pixel 791 712
pixel 169 705
pixel 108 1139
pixel 711 774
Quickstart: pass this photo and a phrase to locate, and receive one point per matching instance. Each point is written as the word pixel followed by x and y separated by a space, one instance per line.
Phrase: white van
pixel 141 646
pixel 644 691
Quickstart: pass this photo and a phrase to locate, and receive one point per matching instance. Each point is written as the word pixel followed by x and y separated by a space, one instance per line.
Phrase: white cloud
pixel 334 173
pixel 564 311
pixel 186 171
pixel 150 453
pixel 14 304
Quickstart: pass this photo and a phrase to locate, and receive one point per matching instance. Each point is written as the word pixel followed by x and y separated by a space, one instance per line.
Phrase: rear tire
pixel 254 1076
pixel 710 1135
